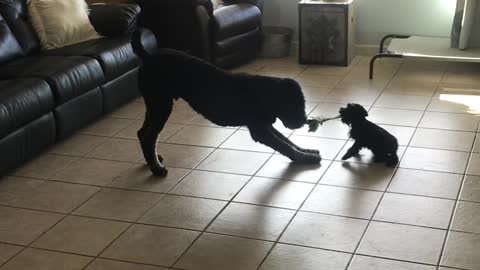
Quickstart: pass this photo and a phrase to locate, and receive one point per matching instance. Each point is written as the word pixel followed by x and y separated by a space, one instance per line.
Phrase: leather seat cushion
pixel 68 77
pixel 22 101
pixel 115 55
pixel 237 19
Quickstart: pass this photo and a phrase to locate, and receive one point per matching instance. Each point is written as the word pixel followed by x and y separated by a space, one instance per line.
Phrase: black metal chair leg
pixel 381 55
pixel 385 38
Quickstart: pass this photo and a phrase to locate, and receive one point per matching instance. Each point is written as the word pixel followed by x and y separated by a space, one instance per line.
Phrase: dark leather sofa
pixel 46 95
pixel 227 36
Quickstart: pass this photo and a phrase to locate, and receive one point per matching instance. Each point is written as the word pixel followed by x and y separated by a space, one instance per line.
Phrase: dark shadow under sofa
pixel 46 95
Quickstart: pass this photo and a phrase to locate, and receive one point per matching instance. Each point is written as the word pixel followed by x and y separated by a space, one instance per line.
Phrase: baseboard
pixel 366 49
pixel 360 49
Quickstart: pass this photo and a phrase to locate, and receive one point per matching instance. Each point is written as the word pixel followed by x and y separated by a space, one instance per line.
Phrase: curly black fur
pixel 367 134
pixel 224 98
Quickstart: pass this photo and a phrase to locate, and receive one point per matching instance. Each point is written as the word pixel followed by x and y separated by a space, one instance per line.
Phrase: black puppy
pixel 224 98
pixel 367 134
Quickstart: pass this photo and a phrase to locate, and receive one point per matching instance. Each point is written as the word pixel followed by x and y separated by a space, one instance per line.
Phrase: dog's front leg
pixel 279 135
pixel 353 151
pixel 156 116
pixel 265 136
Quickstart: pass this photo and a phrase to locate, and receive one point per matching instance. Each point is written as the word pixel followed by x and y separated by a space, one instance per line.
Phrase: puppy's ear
pixel 364 112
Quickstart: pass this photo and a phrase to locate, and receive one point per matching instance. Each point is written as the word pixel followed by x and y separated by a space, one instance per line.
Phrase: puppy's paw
pixel 160 158
pixel 159 171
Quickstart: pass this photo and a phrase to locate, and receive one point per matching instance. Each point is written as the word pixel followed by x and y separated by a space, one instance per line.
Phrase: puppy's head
pixel 352 113
pixel 291 104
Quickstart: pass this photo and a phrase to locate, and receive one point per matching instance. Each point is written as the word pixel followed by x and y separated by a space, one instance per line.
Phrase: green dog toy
pixel 316 122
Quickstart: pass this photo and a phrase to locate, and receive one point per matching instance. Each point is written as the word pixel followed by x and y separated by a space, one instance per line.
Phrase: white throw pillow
pixel 59 23
pixel 216 3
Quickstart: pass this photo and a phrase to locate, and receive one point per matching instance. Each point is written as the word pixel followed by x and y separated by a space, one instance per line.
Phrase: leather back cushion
pixel 16 14
pixel 9 47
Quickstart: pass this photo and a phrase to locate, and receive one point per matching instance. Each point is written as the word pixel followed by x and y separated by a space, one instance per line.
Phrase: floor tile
pixel 324 231
pixel 130 132
pixel 211 185
pixel 274 192
pixel 79 235
pixel 306 80
pixel 343 201
pixel 182 116
pixel 473 165
pixel 454 104
pixel 118 150
pixel 231 161
pixel 218 252
pixel 118 204
pixel 102 264
pixel 315 93
pixel 415 210
pixel 402 242
pixel 183 212
pixel 363 97
pixel 471 189
pixel 92 171
pixel 132 110
pixel 182 156
pixel 328 70
pixel 44 166
pixel 242 140
pixel 411 88
pixel 286 257
pixel 407 102
pixel 467 217
pixel 35 259
pixel 139 177
pixel 327 109
pixel 201 136
pixel 77 145
pixel 281 167
pixel 328 148
pixel 452 121
pixel 395 117
pixel 354 82
pixel 8 251
pixel 370 263
pixel 426 183
pixel 461 251
pixel 358 176
pixel 434 160
pixel 20 226
pixel 153 245
pixel 55 196
pixel 462 73
pixel 443 139
pixel 12 187
pixel 403 134
pixel 252 221
pixel 107 126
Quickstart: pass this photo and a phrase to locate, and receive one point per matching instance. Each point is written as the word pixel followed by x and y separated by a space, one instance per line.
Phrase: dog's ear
pixel 363 111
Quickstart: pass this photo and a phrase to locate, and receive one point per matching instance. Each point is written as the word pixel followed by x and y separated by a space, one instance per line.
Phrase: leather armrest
pixel 258 3
pixel 114 19
pixel 175 4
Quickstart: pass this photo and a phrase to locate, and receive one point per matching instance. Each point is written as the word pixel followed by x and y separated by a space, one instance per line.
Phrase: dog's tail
pixel 144 43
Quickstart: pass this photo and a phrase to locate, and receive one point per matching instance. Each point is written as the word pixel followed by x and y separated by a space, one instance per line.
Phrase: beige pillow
pixel 216 3
pixel 59 23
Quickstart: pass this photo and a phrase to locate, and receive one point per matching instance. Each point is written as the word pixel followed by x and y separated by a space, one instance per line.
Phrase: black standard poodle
pixel 367 134
pixel 224 98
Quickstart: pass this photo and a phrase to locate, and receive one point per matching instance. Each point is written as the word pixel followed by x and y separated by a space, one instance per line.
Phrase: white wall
pixel 375 18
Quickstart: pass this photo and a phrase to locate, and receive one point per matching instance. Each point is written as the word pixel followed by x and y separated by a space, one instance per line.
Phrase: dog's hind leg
pixel 265 136
pixel 392 160
pixel 156 116
pixel 286 140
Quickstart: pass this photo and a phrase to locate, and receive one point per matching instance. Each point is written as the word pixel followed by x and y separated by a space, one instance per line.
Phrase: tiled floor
pixel 229 203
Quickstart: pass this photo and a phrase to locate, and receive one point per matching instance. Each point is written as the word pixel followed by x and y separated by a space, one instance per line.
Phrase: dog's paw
pixel 347 156
pixel 160 158
pixel 308 159
pixel 159 171
pixel 311 151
